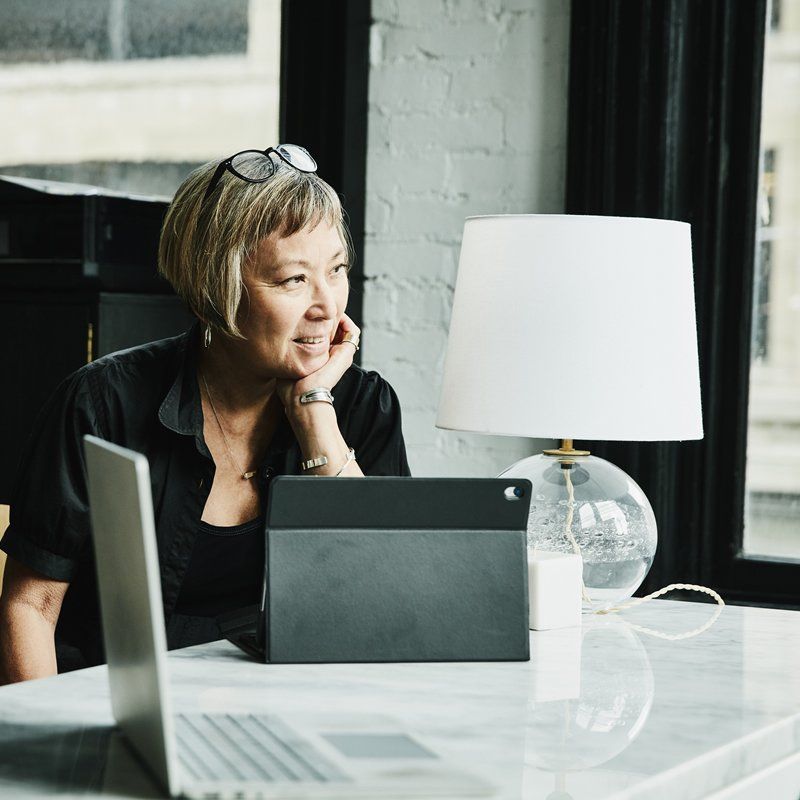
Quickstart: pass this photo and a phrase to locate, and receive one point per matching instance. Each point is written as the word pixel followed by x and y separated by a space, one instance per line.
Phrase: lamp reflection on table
pixel 584 708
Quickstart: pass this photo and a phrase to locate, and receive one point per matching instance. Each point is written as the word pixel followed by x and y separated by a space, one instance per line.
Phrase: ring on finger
pixel 352 339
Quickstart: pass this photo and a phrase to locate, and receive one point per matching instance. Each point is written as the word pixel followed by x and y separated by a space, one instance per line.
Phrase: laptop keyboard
pixel 245 747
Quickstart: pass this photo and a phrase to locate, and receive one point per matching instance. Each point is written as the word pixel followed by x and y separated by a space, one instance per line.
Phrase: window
pixel 772 508
pixel 665 121
pixel 132 94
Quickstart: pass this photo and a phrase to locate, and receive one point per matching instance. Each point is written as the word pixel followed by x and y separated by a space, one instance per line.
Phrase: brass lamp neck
pixel 567 450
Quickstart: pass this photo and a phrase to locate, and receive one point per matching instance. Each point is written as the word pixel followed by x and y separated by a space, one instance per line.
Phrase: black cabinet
pixel 77 281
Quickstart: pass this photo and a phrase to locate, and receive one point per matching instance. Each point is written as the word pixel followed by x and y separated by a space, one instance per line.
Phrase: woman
pixel 262 385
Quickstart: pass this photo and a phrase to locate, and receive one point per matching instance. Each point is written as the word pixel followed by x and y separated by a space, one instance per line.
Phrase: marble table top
pixel 606 710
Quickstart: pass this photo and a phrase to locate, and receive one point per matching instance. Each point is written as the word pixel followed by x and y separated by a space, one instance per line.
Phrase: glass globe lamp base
pixel 586 505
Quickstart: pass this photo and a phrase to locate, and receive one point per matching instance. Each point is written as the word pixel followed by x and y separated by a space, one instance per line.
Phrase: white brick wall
pixel 467 115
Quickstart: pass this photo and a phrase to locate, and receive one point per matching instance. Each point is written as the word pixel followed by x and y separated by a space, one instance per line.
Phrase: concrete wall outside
pixel 467 115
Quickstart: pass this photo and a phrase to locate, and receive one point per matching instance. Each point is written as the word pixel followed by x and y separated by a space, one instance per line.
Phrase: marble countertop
pixel 607 710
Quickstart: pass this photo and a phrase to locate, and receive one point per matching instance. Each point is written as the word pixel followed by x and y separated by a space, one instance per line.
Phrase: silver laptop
pixel 223 755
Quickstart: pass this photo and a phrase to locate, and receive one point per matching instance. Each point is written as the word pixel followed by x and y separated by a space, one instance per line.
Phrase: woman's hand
pixel 340 358
pixel 315 424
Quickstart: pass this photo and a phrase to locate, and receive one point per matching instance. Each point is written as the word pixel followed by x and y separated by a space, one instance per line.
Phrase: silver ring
pixel 320 394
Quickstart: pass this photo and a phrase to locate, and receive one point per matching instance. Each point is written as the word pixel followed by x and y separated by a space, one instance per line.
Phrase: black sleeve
pixel 50 524
pixel 374 428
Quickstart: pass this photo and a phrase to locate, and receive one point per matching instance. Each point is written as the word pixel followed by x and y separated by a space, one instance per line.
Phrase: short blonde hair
pixel 205 246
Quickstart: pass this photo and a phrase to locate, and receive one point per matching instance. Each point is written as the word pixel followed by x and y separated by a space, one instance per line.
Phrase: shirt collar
pixel 180 410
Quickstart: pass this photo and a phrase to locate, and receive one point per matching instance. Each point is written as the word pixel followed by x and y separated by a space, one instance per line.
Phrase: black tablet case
pixel 395 569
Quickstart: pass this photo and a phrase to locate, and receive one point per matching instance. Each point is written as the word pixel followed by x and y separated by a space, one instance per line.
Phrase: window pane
pixel 132 94
pixel 772 514
pixel 55 30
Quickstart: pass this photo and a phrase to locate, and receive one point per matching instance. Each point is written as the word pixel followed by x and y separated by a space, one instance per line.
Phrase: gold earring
pixel 207 337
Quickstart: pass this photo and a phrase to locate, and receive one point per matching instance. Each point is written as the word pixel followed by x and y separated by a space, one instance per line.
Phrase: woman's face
pixel 296 287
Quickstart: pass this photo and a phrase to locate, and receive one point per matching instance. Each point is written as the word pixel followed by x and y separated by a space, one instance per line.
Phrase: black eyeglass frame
pixel 227 166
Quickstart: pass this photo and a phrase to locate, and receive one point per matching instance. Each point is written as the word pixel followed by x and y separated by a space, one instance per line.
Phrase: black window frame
pixel 324 82
pixel 664 121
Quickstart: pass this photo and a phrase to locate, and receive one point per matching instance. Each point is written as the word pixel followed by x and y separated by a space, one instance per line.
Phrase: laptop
pixel 230 755
pixel 387 569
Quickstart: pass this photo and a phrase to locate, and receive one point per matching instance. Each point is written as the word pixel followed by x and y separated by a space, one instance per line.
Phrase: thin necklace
pixel 245 475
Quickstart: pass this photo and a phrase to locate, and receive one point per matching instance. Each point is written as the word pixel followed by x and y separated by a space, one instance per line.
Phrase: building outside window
pixel 131 94
pixel 772 515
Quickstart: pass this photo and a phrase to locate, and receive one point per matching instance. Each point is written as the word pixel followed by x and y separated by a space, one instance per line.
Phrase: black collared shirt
pixel 147 399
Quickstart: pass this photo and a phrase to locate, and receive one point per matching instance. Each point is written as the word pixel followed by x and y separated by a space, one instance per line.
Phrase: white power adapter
pixel 554 589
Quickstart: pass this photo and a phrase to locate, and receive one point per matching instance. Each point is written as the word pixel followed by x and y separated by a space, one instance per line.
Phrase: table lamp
pixel 577 327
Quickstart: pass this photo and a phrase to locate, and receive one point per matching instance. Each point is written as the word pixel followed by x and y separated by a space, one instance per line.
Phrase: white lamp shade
pixel 573 327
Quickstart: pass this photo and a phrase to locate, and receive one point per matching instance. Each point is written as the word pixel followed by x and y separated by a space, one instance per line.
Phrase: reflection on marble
pixel 599 712
pixel 591 695
pixel 54 757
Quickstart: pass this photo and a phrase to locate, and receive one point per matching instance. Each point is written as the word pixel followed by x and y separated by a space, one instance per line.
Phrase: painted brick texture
pixel 467 115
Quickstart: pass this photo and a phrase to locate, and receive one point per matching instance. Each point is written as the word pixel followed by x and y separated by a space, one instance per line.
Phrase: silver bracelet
pixel 320 461
pixel 318 395
pixel 351 456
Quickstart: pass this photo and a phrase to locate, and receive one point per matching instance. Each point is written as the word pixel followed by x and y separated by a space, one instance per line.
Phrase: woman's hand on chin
pixel 340 358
